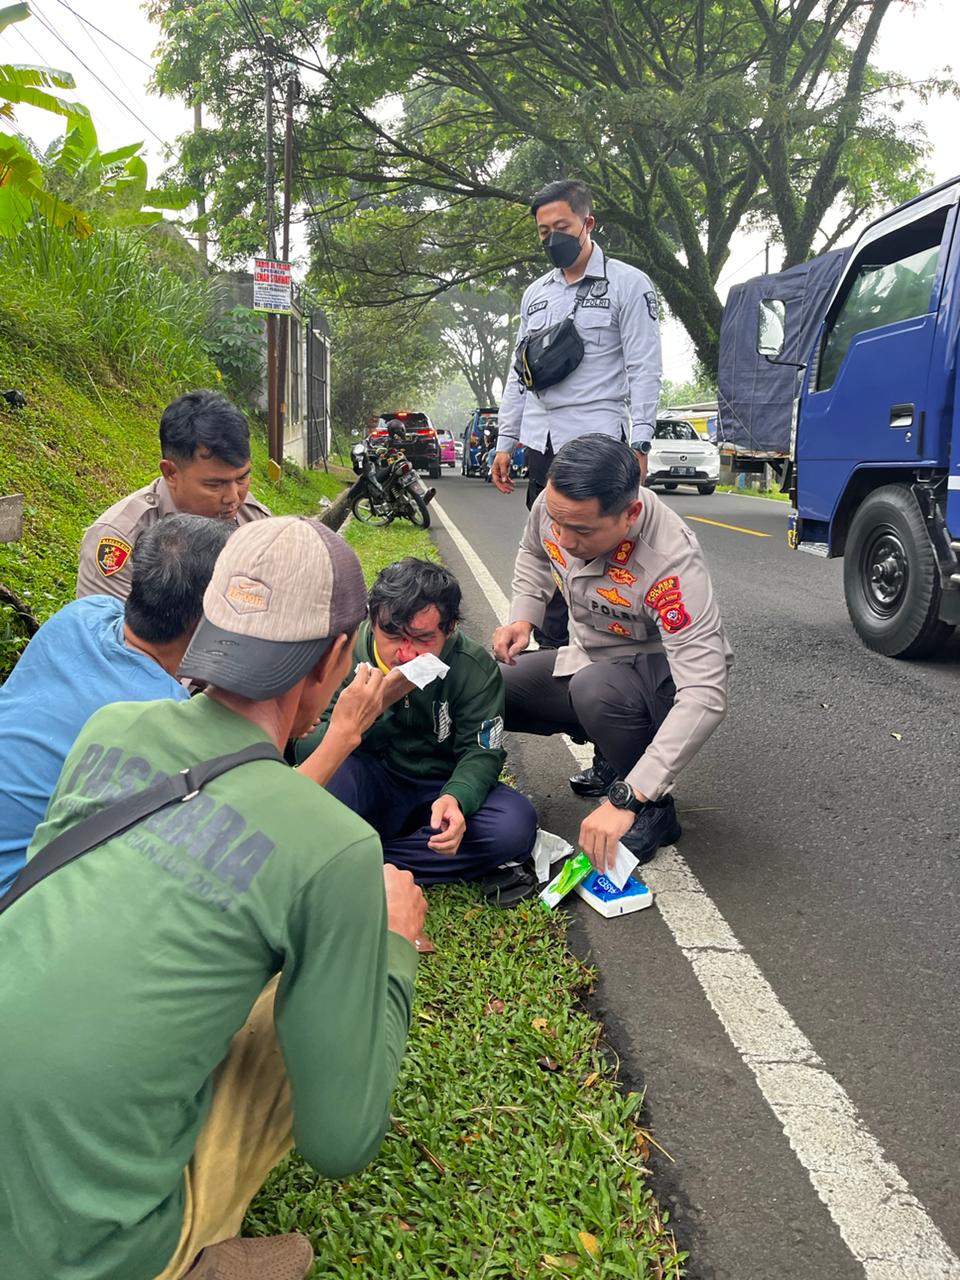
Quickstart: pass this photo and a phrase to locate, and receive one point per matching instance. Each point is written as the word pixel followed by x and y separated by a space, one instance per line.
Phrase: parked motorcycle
pixel 388 487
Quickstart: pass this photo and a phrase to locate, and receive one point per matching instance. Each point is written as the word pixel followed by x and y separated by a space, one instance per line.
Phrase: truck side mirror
pixel 771 324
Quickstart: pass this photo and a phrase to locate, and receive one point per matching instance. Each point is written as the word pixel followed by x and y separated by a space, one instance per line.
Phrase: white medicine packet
pixel 619 873
pixel 423 670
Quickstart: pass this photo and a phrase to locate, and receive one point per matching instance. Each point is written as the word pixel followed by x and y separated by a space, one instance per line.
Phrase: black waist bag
pixel 546 358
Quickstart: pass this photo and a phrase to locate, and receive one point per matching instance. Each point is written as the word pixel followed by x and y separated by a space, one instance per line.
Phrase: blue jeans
pixel 397 806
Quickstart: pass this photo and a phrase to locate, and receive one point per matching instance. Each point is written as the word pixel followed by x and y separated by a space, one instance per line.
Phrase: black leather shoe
pixel 654 826
pixel 594 781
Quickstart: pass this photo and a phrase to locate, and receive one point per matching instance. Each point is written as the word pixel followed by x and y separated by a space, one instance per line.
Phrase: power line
pixel 99 50
pixel 106 36
pixel 56 35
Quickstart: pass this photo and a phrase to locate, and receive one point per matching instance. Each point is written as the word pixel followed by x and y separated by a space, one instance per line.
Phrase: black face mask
pixel 562 249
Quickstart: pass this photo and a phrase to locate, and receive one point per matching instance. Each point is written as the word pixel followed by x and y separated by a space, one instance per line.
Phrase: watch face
pixel 620 794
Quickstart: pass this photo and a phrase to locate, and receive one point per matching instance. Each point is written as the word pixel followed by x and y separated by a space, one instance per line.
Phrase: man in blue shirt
pixel 94 651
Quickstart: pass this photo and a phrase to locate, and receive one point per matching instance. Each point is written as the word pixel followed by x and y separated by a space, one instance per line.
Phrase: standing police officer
pixel 614 311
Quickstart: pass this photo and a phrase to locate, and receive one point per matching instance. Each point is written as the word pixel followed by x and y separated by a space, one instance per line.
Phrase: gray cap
pixel 282 589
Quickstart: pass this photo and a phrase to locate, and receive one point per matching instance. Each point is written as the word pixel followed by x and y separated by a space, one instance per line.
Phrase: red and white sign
pixel 272 284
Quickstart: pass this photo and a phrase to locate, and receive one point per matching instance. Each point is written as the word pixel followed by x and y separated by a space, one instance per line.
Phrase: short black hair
pixel 172 564
pixel 596 466
pixel 204 420
pixel 576 193
pixel 405 587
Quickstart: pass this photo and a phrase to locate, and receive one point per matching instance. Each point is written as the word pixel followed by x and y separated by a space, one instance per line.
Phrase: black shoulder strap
pixel 117 818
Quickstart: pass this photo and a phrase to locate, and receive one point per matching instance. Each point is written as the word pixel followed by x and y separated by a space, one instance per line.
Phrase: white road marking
pixel 882 1222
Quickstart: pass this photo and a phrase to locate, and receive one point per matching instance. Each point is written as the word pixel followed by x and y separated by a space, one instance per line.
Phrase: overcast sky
pixel 111 81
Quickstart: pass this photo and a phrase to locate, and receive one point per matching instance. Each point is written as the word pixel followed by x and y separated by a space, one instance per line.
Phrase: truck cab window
pixel 893 280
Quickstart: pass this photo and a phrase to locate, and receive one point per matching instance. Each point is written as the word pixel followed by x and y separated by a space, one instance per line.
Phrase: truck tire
pixel 891 579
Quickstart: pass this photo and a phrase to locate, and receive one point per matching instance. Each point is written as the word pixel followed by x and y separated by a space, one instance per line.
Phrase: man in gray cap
pixel 160 1067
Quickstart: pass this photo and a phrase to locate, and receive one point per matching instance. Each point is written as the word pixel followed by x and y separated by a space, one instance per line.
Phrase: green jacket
pixel 451 731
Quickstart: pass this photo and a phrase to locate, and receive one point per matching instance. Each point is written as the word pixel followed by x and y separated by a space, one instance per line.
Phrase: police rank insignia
pixel 614 596
pixel 623 577
pixel 554 552
pixel 623 552
pixel 112 555
pixel 558 581
pixel 618 629
pixel 666 597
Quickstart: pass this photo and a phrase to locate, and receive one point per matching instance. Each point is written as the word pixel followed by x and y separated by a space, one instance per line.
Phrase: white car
pixel 679 455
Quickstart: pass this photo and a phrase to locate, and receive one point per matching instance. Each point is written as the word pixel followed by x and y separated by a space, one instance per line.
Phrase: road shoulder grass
pixel 512 1151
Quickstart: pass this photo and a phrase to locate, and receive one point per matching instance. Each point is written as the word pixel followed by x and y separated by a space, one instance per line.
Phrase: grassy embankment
pixel 98 345
pixel 514 1152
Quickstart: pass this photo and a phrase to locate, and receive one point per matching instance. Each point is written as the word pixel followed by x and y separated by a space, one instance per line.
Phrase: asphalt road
pixel 821 821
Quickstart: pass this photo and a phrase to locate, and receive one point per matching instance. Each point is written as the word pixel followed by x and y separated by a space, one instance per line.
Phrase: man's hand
pixel 360 703
pixel 602 831
pixel 406 905
pixel 447 817
pixel 500 471
pixel 643 459
pixel 510 640
pixel 395 686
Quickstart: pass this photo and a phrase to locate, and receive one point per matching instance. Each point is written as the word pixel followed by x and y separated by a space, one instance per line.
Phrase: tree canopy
pixel 424 128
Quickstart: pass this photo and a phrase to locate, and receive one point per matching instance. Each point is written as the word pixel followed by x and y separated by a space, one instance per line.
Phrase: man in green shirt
pixel 426 772
pixel 153 1068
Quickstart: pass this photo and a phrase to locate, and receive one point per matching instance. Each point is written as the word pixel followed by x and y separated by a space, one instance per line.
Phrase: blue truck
pixel 850 389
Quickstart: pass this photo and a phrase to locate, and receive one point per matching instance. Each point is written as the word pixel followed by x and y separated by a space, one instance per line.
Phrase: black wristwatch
pixel 622 796
pixel 643 446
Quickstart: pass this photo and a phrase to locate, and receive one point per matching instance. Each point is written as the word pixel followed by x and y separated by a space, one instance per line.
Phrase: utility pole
pixel 766 258
pixel 201 196
pixel 274 439
pixel 292 87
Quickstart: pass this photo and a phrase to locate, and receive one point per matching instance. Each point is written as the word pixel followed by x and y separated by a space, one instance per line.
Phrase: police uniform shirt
pixel 106 553
pixel 650 593
pixel 619 325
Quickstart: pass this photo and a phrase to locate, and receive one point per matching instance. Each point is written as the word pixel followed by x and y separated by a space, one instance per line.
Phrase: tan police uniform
pixel 645 629
pixel 106 553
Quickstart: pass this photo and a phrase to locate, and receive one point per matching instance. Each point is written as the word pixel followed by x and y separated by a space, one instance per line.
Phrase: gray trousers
pixel 618 704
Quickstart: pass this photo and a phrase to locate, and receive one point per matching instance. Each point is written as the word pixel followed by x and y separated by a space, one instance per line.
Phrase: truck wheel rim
pixel 886 572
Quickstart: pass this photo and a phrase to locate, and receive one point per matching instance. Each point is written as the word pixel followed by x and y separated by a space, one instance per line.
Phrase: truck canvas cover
pixel 755 397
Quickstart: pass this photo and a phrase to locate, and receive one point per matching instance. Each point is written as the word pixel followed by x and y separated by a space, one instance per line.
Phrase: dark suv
pixel 422 446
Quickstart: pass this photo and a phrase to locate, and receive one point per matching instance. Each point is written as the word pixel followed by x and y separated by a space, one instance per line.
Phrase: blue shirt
pixel 75 664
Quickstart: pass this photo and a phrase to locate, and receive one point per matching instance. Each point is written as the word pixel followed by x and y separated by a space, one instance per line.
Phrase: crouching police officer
pixel 644 676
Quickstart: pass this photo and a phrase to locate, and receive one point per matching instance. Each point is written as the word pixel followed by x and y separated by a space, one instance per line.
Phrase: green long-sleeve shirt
pixel 124 975
pixel 452 730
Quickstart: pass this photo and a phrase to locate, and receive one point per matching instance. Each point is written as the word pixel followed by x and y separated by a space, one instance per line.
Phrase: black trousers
pixel 617 704
pixel 553 633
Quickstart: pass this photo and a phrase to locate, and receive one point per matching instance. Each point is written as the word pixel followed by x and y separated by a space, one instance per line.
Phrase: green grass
pixel 513 1151
pixel 754 493
pixel 87 437
pixel 379 547
pixel 511 1136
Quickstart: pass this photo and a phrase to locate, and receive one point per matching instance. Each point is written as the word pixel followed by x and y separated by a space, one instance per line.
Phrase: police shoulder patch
pixel 112 555
pixel 653 309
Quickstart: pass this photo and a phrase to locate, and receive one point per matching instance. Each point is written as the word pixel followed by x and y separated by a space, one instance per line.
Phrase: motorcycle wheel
pixel 415 510
pixel 366 512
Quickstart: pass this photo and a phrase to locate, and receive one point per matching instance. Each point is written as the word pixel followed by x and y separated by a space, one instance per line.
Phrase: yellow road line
pixel 735 527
